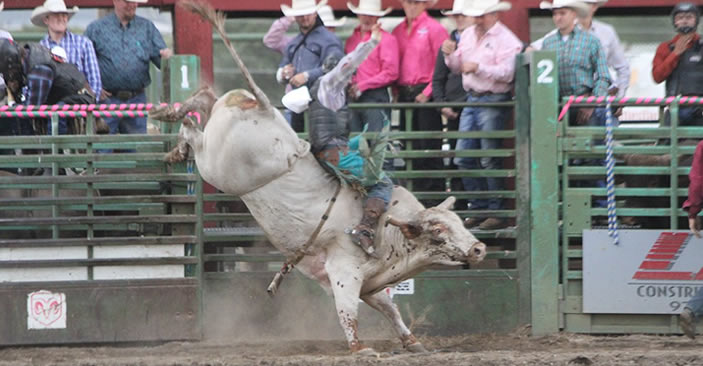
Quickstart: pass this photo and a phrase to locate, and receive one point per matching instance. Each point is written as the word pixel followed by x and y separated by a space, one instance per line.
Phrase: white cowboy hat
pixel 478 8
pixel 369 7
pixel 50 6
pixel 457 7
pixel 595 1
pixel 579 6
pixel 2 6
pixel 301 7
pixel 297 100
pixel 327 15
pixel 137 1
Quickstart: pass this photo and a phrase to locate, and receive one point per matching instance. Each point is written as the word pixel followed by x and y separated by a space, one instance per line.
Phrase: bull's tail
pixel 217 19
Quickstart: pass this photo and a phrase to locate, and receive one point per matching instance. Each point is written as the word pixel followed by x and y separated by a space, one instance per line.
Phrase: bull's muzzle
pixel 476 253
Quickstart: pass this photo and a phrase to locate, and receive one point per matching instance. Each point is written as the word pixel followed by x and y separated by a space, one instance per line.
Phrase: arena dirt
pixel 486 350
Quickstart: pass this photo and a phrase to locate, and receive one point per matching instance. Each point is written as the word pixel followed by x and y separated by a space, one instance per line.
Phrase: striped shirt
pixel 39 81
pixel 81 53
pixel 124 52
pixel 583 67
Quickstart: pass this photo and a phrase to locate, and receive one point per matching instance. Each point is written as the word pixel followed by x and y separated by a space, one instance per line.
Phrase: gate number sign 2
pixel 545 67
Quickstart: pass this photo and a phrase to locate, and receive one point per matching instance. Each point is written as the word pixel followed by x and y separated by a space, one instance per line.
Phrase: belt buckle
pixel 123 95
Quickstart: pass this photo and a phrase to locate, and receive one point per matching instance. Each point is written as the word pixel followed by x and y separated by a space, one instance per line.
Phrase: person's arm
pixel 332 48
pixel 602 75
pixel 39 81
pixel 390 65
pixel 439 79
pixel 537 45
pixel 158 46
pixel 616 59
pixel 91 67
pixel 276 38
pixel 437 37
pixel 504 71
pixel 664 63
pixel 694 203
pixel 453 60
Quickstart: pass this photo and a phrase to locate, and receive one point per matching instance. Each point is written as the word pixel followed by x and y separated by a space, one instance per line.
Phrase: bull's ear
pixel 410 229
pixel 448 203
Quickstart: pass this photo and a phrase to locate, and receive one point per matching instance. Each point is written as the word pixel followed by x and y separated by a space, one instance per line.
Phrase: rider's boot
pixel 364 233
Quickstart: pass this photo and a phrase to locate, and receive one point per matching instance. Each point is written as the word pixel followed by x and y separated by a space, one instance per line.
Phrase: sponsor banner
pixel 650 272
pixel 46 310
pixel 406 287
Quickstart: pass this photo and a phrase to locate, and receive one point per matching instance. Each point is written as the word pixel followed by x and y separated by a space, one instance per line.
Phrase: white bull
pixel 248 149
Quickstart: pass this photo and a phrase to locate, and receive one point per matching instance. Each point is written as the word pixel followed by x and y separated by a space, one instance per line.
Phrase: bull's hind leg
pixel 382 302
pixel 188 137
pixel 201 102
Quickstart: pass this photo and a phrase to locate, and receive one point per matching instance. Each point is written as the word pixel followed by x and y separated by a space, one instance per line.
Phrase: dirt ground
pixel 484 350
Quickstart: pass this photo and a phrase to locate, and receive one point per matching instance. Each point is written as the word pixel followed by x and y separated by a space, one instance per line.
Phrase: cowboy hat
pixel 328 19
pixel 595 1
pixel 301 7
pixel 457 8
pixel 369 7
pixel 50 6
pixel 478 8
pixel 2 5
pixel 580 7
pixel 137 1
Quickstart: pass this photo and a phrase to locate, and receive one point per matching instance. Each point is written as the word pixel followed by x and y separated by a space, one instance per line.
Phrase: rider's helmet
pixel 686 8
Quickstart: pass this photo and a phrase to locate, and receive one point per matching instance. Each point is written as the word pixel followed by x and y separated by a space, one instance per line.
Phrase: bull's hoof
pixel 367 352
pixel 163 113
pixel 174 156
pixel 416 347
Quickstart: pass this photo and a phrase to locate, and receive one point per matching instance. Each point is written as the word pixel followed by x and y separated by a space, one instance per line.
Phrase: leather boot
pixel 364 233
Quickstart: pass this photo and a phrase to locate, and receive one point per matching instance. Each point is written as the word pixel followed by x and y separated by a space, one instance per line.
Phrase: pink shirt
pixel 421 46
pixel 380 68
pixel 276 38
pixel 495 55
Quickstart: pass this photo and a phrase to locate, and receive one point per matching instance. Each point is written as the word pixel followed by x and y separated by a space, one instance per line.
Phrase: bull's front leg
pixel 346 286
pixel 189 136
pixel 382 302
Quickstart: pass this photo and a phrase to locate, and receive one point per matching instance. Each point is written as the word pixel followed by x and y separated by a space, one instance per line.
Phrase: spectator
pixel 276 38
pixel 376 73
pixel 54 16
pixel 446 85
pixel 694 307
pixel 485 56
pixel 583 68
pixel 614 52
pixel 3 35
pixel 419 39
pixel 678 62
pixel 124 44
pixel 304 55
pixel 48 79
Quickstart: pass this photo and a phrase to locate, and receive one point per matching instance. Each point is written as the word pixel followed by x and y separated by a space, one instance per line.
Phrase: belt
pixel 125 95
pixel 476 94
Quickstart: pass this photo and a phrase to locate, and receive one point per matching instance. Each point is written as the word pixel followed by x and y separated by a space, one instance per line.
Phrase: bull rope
pixel 130 110
pixel 301 253
pixel 610 176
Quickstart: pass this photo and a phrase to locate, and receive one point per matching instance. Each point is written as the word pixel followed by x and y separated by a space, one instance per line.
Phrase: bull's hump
pixel 241 99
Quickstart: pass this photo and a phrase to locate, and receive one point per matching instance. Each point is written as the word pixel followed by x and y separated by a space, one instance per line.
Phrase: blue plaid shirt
pixel 80 52
pixel 583 67
pixel 124 52
pixel 39 81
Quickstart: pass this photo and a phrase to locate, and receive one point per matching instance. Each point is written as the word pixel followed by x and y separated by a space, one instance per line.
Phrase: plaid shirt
pixel 39 81
pixel 81 53
pixel 583 67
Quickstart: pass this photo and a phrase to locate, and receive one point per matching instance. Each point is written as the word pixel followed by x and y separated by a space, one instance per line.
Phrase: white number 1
pixel 184 77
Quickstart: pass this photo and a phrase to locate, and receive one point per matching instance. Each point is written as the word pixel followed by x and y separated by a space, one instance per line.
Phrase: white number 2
pixel 545 67
pixel 184 77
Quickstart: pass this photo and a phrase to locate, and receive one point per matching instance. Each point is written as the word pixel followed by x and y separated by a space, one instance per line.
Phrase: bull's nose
pixel 477 252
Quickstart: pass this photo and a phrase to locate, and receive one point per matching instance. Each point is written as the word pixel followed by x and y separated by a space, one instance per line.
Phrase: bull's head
pixel 441 233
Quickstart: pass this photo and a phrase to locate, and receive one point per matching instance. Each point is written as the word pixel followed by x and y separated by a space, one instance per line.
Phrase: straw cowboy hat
pixel 478 8
pixel 457 8
pixel 137 1
pixel 2 6
pixel 579 6
pixel 327 16
pixel 595 1
pixel 50 6
pixel 301 7
pixel 369 7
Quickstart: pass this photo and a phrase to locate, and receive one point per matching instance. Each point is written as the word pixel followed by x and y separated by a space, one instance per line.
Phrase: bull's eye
pixel 437 231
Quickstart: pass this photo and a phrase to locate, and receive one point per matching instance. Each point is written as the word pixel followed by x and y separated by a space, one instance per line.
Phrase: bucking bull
pixel 248 149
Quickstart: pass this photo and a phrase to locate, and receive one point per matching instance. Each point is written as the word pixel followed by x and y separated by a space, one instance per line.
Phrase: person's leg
pixel 297 122
pixel 427 120
pixel 135 125
pixel 691 313
pixel 467 122
pixel 374 206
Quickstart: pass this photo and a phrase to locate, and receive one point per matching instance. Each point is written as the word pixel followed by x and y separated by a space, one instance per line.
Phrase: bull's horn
pixel 409 230
pixel 448 203
pixel 217 19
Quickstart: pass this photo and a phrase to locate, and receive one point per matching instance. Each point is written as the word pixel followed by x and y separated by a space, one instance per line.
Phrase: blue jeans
pixel 688 116
pixel 126 125
pixel 482 119
pixel 381 190
pixel 696 303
